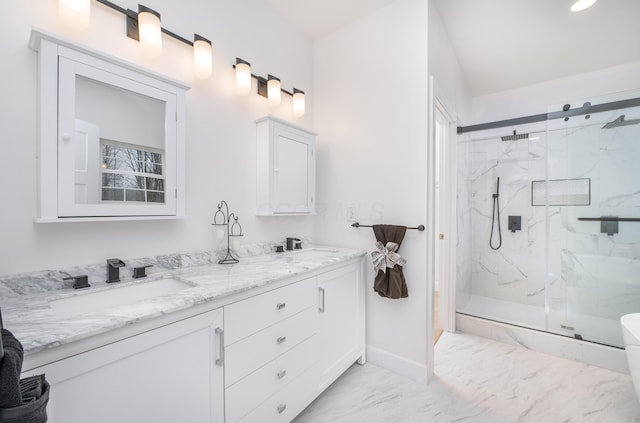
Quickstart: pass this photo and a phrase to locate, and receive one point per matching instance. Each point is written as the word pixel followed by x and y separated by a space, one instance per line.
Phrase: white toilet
pixel 631 332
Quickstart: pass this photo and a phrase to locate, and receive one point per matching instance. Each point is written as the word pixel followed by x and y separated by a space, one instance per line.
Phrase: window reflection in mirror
pixel 119 145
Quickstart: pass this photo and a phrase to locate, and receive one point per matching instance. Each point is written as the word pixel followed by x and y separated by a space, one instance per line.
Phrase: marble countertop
pixel 39 327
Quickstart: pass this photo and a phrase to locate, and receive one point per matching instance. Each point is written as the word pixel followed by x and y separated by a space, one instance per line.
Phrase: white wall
pixel 371 81
pixel 450 86
pixel 535 99
pixel 220 129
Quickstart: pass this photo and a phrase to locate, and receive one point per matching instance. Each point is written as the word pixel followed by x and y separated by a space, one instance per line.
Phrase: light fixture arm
pixel 132 24
pixel 262 84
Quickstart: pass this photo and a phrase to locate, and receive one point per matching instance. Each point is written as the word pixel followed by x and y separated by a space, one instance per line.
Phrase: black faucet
pixel 113 269
pixel 81 281
pixel 293 243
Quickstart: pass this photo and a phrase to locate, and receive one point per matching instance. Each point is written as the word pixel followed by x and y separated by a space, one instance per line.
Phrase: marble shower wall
pixel 515 272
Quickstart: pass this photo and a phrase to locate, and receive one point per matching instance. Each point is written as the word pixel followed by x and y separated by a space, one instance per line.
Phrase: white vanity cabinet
pixel 170 374
pixel 341 326
pixel 285 168
pixel 271 347
pixel 284 347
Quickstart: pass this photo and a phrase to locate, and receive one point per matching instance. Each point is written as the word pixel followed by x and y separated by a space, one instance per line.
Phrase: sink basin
pixel 105 299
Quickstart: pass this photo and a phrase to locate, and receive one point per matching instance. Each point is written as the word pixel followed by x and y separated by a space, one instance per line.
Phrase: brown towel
pixel 390 284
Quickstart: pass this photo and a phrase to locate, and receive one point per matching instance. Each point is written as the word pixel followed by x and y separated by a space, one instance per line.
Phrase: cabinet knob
pixel 281 374
pixel 280 306
pixel 65 136
pixel 281 408
pixel 281 339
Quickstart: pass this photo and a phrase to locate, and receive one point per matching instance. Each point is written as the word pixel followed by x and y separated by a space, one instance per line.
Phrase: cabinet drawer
pixel 286 404
pixel 251 353
pixel 245 395
pixel 256 313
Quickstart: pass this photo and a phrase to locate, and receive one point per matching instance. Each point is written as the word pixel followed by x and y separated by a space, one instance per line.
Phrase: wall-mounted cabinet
pixel 111 136
pixel 285 168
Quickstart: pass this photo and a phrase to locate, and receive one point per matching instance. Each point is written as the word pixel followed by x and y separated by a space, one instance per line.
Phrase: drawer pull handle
pixel 281 374
pixel 220 359
pixel 321 306
pixel 281 408
pixel 281 339
pixel 280 306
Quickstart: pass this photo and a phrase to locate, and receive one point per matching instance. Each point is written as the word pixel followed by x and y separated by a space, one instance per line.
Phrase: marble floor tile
pixel 480 380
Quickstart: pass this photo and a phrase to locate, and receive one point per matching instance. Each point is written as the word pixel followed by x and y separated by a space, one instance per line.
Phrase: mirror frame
pixel 50 47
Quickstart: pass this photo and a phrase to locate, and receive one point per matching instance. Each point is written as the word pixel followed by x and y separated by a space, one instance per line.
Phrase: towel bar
pixel 358 225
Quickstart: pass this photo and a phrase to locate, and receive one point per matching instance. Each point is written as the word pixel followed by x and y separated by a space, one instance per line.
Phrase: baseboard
pixel 400 365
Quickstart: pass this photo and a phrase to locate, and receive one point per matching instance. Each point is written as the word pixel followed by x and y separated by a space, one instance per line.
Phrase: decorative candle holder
pixel 222 222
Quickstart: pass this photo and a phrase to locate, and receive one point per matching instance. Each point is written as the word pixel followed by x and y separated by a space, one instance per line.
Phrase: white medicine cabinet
pixel 285 169
pixel 111 135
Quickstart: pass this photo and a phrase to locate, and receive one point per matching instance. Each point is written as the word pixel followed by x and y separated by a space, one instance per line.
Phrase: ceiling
pixel 319 17
pixel 505 44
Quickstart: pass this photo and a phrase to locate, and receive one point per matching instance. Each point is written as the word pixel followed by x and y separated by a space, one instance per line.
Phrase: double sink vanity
pixel 195 341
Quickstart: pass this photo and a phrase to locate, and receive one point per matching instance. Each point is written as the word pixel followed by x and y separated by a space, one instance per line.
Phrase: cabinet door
pixel 292 172
pixel 341 321
pixel 170 374
pixel 285 168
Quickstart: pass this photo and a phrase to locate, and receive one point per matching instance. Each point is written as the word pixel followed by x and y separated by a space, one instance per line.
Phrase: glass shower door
pixel 594 259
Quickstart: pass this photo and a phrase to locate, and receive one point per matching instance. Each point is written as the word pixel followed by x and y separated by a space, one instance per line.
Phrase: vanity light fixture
pixel 298 103
pixel 274 91
pixel 149 32
pixel 243 77
pixel 202 57
pixel 75 14
pixel 269 87
pixel 144 26
pixel 582 5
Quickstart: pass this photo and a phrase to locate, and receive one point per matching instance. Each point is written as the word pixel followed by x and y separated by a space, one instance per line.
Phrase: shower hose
pixel 495 215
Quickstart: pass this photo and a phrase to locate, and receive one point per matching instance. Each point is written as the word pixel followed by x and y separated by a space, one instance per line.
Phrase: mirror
pixel 119 144
pixel 111 136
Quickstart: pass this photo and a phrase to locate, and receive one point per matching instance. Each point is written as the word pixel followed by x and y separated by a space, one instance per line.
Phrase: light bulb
pixel 243 77
pixel 202 57
pixel 149 32
pixel 274 93
pixel 582 4
pixel 298 103
pixel 75 14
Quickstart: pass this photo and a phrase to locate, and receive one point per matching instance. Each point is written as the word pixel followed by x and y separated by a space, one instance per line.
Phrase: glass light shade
pixel 150 34
pixel 202 59
pixel 298 103
pixel 274 93
pixel 243 79
pixel 221 231
pixel 236 241
pixel 582 4
pixel 75 14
